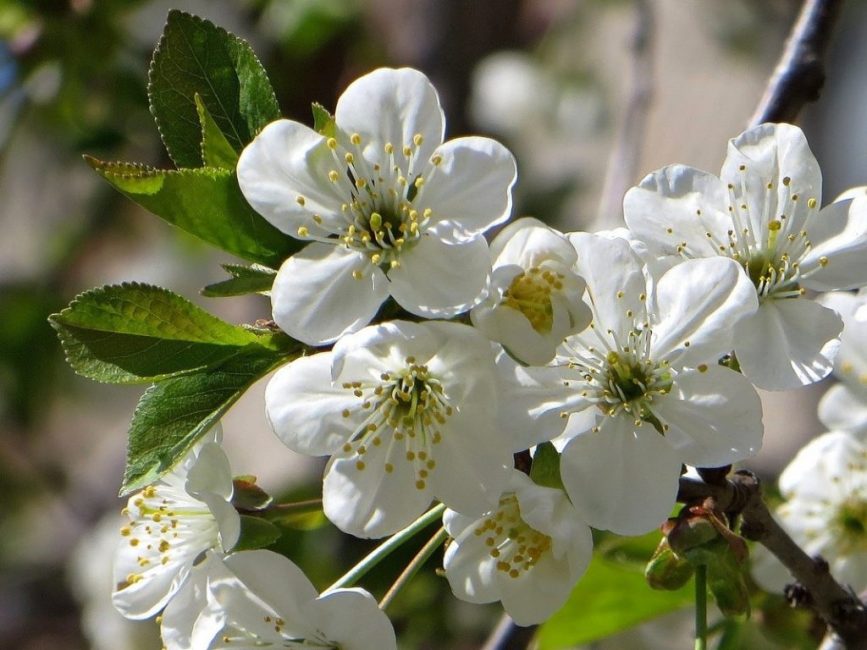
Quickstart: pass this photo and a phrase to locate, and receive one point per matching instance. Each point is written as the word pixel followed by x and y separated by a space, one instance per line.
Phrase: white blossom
pixel 256 599
pixel 407 412
pixel 171 523
pixel 639 393
pixel 388 207
pixel 528 552
pixel 825 512
pixel 764 212
pixel 534 297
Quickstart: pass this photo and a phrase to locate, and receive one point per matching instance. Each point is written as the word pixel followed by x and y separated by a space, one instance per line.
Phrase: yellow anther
pixel 407 151
pixel 376 221
pixel 774 225
pixel 349 158
pixel 823 261
pixel 300 200
pixel 303 231
pixel 355 138
pixel 332 143
pixel 417 139
pixel 389 148
pixel 333 176
pixel 436 159
pixel 419 182
pixel 812 203
pixel 357 275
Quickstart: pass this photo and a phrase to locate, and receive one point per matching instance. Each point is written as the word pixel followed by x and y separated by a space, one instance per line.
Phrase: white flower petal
pixel 677 206
pixel 274 579
pixel 810 472
pixel 697 302
pixel 620 479
pixel 477 464
pixel 288 160
pixel 615 282
pixel 392 106
pixel 838 256
pixel 511 328
pixel 438 280
pixel 371 502
pixel 842 409
pixel 211 472
pixel 769 153
pixel 305 408
pixel 317 299
pixel 527 242
pixel 352 620
pixel 181 615
pixel 533 401
pixel 469 191
pixel 714 417
pixel 787 343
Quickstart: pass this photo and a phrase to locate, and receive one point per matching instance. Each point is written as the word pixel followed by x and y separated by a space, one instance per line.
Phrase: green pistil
pixel 629 378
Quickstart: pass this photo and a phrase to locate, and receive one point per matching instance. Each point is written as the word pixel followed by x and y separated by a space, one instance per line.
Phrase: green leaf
pixel 205 202
pixel 173 414
pixel 194 56
pixel 545 469
pixel 135 333
pixel 244 280
pixel 256 533
pixel 216 150
pixel 608 599
pixel 323 121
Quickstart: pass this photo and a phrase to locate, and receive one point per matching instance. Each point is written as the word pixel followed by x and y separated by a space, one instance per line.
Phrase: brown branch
pixel 623 163
pixel 840 608
pixel 800 74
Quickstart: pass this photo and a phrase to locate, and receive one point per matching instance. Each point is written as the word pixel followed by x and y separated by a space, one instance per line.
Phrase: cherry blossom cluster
pixel 825 486
pixel 436 356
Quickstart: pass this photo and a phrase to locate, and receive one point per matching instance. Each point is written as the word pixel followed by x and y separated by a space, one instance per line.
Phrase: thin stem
pixel 701 607
pixel 412 568
pixel 386 548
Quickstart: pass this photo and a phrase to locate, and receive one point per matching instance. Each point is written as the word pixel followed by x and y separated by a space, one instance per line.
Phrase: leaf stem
pixel 412 568
pixel 383 550
pixel 701 607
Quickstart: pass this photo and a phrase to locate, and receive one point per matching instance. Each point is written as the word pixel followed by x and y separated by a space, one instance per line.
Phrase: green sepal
pixel 205 202
pixel 138 333
pixel 725 576
pixel 545 470
pixel 244 280
pixel 172 415
pixel 667 570
pixel 194 56
pixel 217 151
pixel 256 533
pixel 323 121
pixel 248 496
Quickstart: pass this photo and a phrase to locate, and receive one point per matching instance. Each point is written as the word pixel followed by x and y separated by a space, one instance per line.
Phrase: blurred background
pixel 556 80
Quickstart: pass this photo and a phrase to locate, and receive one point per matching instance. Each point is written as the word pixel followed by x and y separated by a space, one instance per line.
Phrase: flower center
pixel 629 384
pixel 516 546
pixel 767 237
pixel 850 526
pixel 412 407
pixel 530 294
pixel 166 524
pixel 379 196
